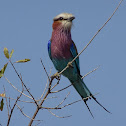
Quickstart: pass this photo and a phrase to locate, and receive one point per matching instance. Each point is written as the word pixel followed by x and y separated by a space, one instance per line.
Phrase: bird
pixel 62 50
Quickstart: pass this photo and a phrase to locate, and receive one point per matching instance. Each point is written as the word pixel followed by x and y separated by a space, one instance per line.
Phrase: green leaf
pixel 3 70
pixel 23 61
pixel 1 74
pixel 12 51
pixel 1 105
pixel 6 53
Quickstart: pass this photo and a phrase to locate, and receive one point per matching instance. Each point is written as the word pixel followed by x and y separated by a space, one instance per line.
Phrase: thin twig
pixel 49 98
pixel 56 84
pixel 59 116
pixel 50 107
pixel 44 90
pixel 38 108
pixel 8 122
pixel 61 89
pixel 15 105
pixel 92 38
pixel 28 101
pixel 26 115
pixel 57 107
pixel 90 72
pixel 63 100
pixel 6 102
pixel 45 86
pixel 77 101
pixel 45 70
pixel 19 100
pixel 23 83
pixel 72 84
pixel 17 89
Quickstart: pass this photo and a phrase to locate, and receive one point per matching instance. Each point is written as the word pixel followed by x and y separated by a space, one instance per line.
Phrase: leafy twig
pixel 23 83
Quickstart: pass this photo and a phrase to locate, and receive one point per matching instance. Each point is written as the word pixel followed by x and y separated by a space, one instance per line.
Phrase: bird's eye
pixel 61 18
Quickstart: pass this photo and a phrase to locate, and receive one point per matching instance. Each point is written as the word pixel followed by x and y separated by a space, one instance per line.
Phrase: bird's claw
pixel 70 64
pixel 56 75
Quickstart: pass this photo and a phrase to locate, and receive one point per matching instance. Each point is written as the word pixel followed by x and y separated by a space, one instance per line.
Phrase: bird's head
pixel 63 21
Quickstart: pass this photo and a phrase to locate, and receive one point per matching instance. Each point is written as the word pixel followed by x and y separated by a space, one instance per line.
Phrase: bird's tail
pixel 85 93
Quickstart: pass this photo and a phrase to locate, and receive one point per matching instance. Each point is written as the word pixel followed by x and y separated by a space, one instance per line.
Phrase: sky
pixel 26 27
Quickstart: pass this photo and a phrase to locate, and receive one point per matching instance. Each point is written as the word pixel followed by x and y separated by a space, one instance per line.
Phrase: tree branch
pixel 92 38
pixel 38 108
pixel 23 83
pixel 6 102
pixel 13 110
pixel 25 114
pixel 17 89
pixel 59 116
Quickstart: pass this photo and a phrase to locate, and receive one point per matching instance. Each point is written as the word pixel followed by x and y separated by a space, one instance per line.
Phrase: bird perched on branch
pixel 62 51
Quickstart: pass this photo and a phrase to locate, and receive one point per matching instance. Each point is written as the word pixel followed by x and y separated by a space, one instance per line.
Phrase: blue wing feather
pixel 74 53
pixel 49 49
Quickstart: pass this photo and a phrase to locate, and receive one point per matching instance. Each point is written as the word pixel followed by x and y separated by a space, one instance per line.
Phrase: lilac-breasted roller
pixel 62 50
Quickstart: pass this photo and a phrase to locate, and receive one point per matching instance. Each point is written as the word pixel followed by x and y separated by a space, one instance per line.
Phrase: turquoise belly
pixel 70 73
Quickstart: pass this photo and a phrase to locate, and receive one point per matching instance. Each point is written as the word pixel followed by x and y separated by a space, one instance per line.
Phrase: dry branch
pixel 45 94
pixel 23 83
pixel 8 122
pixel 26 115
pixel 91 39
pixel 6 102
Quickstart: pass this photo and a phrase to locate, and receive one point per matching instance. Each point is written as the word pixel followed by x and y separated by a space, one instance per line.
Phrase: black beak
pixel 71 18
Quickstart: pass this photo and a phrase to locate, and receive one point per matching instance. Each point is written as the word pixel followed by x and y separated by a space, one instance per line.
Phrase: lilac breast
pixel 60 45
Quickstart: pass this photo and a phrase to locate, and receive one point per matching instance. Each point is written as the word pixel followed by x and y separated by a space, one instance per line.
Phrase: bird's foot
pixel 70 64
pixel 56 75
